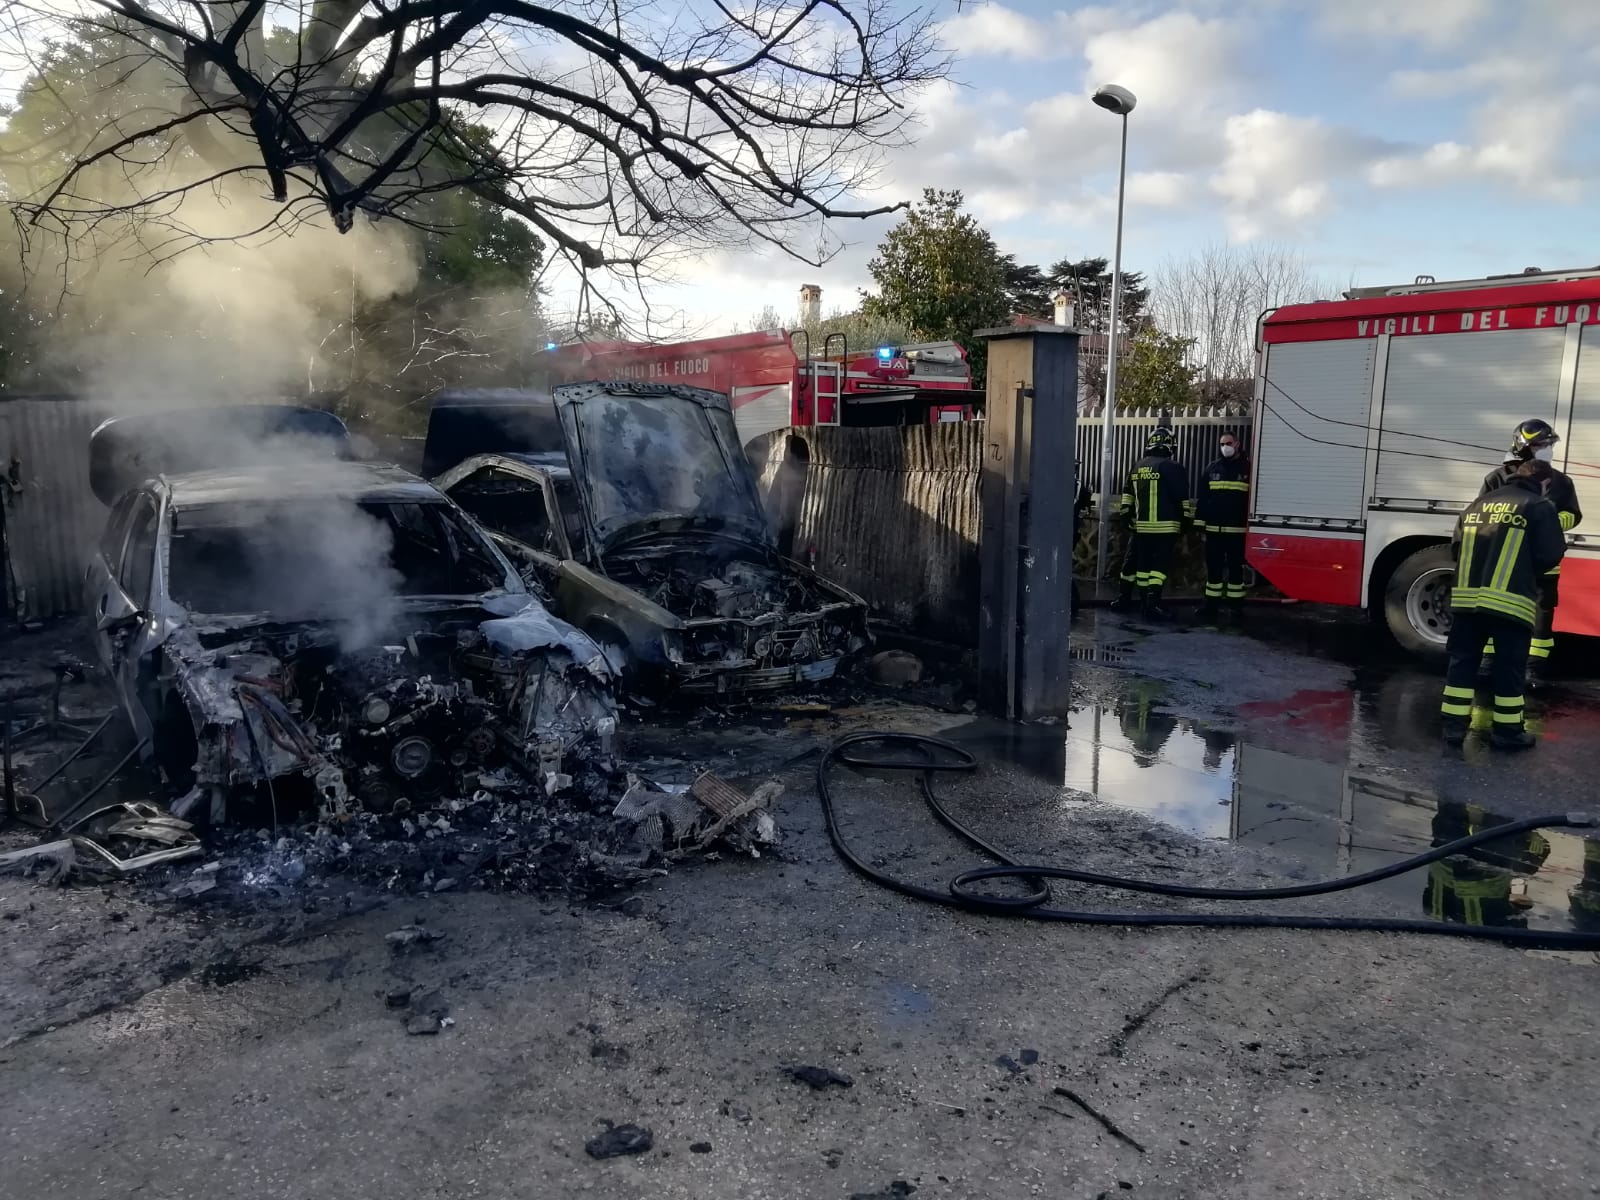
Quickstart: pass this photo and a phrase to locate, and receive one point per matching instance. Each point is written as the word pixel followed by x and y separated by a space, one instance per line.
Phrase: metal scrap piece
pixel 146 835
pixel 55 860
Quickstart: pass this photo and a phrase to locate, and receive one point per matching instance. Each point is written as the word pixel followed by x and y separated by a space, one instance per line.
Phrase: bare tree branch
pixel 622 133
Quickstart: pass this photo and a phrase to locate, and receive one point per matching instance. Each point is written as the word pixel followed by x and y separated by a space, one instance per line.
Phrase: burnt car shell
pixel 670 562
pixel 378 698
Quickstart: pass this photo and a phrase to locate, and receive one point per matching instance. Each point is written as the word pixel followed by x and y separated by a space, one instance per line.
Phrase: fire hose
pixel 932 756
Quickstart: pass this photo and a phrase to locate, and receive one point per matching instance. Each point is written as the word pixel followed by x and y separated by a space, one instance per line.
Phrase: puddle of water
pixel 905 1005
pixel 1332 818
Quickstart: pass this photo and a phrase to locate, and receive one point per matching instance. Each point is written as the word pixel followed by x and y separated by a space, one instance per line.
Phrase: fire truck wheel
pixel 1416 602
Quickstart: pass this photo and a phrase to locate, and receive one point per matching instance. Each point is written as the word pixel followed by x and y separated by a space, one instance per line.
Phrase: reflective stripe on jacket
pixel 1224 496
pixel 1157 494
pixel 1503 542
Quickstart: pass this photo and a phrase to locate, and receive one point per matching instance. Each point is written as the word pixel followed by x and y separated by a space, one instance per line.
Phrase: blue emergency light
pixel 885 352
pixel 552 345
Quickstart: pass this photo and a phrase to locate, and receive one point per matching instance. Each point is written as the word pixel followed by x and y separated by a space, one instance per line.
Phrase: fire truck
pixel 773 386
pixel 1377 417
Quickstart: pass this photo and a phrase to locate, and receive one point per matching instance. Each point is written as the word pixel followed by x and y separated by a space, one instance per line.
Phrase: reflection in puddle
pixel 1333 819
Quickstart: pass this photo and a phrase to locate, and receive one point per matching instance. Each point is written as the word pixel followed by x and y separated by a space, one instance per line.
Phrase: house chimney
pixel 810 304
pixel 1064 308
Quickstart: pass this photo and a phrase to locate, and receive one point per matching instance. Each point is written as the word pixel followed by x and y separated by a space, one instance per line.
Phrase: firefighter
pixel 1224 500
pixel 1504 543
pixel 1478 888
pixel 1535 439
pixel 1147 726
pixel 1157 498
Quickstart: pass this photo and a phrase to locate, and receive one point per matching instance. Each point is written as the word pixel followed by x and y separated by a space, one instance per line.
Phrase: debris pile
pixel 680 821
pixel 506 837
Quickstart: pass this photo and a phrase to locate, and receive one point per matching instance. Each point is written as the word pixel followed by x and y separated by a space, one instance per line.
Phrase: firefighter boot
pixel 1511 738
pixel 1455 730
pixel 1208 612
pixel 1234 617
pixel 1152 610
pixel 1124 600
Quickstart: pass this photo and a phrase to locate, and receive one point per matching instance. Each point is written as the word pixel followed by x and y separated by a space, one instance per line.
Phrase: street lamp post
pixel 1118 100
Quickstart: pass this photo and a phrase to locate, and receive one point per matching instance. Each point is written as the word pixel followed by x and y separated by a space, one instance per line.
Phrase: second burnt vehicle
pixel 644 525
pixel 292 626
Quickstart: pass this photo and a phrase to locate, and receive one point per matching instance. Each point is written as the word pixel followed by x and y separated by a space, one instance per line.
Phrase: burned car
pixel 294 628
pixel 646 529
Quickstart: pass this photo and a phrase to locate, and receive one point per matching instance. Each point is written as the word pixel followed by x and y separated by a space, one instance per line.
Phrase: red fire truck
pixel 772 386
pixel 1377 417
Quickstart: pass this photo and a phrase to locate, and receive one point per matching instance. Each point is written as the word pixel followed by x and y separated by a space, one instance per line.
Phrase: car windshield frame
pixel 651 458
pixel 471 546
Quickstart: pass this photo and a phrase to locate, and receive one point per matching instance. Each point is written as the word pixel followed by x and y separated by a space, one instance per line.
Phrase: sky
pixel 1380 139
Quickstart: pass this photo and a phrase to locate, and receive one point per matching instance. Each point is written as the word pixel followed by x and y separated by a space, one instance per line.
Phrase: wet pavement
pixel 181 1050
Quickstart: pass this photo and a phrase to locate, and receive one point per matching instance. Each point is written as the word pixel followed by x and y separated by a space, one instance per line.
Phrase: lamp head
pixel 1115 99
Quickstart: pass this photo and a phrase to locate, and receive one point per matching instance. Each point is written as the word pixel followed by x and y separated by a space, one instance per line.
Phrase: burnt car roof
pixel 127 450
pixel 553 464
pixel 377 482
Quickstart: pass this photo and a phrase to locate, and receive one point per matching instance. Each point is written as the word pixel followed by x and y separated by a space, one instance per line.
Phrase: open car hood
pixel 126 451
pixel 658 457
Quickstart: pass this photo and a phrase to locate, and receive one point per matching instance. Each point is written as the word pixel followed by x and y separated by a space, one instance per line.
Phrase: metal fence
pixel 1196 435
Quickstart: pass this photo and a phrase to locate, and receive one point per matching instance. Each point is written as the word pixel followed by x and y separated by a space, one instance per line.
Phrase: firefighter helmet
pixel 1533 434
pixel 1160 441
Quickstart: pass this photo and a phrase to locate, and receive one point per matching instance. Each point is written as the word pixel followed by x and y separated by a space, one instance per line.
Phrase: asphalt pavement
pixel 180 1050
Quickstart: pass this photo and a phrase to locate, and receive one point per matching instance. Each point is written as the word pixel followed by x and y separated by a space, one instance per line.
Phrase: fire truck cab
pixel 772 386
pixel 1378 416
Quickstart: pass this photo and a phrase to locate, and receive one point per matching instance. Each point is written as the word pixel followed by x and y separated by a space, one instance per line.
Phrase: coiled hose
pixel 931 756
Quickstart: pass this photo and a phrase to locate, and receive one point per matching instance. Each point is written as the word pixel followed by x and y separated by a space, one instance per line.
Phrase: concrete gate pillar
pixel 1028 490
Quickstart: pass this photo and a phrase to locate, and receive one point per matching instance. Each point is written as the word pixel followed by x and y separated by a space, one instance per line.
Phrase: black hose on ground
pixel 931 755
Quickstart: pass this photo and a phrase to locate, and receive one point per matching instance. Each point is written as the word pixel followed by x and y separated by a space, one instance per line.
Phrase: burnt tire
pixel 1416 601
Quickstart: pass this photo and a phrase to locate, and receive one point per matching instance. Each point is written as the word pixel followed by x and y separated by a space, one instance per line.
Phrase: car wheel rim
pixel 1428 605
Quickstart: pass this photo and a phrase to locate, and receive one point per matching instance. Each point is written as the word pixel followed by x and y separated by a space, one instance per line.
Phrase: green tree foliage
pixel 1090 280
pixel 939 275
pixel 1027 288
pixel 1155 373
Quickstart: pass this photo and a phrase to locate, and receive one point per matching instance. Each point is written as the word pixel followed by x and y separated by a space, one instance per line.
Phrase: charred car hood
pixel 652 457
pixel 126 451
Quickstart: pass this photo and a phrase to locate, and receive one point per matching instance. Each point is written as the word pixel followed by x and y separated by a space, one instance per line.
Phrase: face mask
pixel 1545 453
pixel 1228 451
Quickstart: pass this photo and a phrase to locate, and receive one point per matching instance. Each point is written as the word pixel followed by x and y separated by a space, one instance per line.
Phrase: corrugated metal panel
pixel 51 516
pixel 1582 439
pixel 892 513
pixel 1311 460
pixel 1465 387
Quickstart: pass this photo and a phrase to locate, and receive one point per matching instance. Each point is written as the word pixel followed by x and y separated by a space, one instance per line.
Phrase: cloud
pixel 1434 23
pixel 1471 78
pixel 1280 171
pixel 1174 63
pixel 993 30
pixel 1521 143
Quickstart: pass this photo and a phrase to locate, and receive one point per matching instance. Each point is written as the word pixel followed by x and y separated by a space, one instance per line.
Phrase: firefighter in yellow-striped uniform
pixel 1477 888
pixel 1536 440
pixel 1221 508
pixel 1504 543
pixel 1156 496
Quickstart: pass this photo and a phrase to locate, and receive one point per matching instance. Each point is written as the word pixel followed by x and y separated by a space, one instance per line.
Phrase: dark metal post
pixel 1025 553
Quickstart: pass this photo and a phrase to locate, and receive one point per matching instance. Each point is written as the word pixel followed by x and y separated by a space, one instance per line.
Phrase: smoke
pixel 327 561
